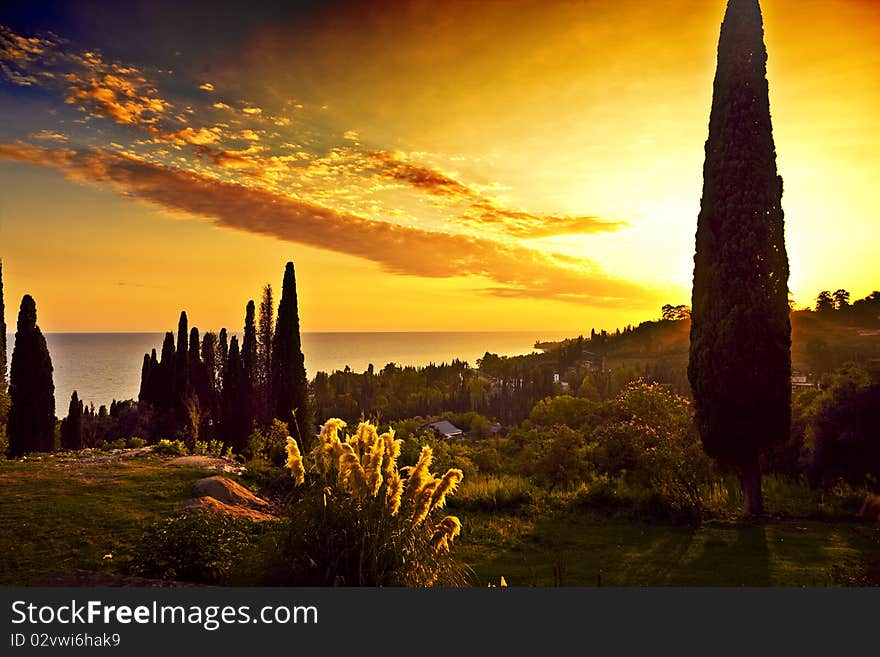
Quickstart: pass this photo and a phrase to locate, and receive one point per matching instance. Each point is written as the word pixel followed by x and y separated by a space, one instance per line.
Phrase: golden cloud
pixel 513 270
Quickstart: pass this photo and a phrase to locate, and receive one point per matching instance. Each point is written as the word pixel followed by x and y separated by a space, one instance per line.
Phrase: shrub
pixel 134 442
pixel 493 494
pixel 654 444
pixel 171 447
pixel 270 445
pixel 357 521
pixel 206 548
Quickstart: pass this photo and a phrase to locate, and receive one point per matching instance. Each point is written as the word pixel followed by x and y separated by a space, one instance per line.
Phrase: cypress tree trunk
pixel 740 363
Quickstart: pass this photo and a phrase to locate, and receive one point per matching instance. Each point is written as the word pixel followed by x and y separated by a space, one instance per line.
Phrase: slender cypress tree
pixel 265 329
pixel 249 343
pixel 31 390
pixel 4 397
pixel 222 353
pixel 235 424
pixel 181 369
pixel 290 392
pixel 2 336
pixel 740 363
pixel 209 360
pixel 146 375
pixel 165 380
pixel 72 425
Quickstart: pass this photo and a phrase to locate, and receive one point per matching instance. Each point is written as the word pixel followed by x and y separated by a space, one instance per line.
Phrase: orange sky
pixel 454 166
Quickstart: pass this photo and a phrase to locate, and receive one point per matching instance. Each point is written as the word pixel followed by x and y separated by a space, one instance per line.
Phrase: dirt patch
pixel 210 505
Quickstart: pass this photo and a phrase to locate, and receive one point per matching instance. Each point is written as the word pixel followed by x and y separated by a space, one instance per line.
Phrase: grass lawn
pixel 61 513
pixel 58 514
pixel 569 548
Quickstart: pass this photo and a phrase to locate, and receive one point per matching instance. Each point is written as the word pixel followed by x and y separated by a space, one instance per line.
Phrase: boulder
pixel 224 490
pixel 209 504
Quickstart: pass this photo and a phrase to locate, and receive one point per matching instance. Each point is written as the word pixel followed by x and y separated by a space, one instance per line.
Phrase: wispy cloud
pixel 483 211
pixel 254 168
pixel 511 270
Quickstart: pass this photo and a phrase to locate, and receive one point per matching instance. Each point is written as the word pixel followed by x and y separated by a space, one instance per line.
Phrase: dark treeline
pixel 207 387
pixel 210 387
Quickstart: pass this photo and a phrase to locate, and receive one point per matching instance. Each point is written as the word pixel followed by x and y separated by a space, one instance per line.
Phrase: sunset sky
pixel 426 165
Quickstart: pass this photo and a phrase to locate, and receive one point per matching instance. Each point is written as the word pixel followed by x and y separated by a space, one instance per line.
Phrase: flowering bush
pixel 654 444
pixel 357 520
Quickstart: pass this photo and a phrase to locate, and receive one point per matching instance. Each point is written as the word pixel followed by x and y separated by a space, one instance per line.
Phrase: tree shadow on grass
pixel 727 555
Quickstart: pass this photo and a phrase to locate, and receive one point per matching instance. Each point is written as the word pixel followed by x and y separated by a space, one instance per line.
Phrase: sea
pixel 106 366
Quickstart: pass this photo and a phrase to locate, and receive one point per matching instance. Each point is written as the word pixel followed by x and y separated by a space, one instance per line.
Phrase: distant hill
pixel 821 341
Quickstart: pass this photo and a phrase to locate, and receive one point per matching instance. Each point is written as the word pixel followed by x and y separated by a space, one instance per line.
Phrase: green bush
pixel 134 442
pixel 171 447
pixel 205 548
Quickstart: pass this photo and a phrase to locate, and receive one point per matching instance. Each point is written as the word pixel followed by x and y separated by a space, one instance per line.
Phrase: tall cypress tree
pixel 740 363
pixel 249 364
pixel 235 424
pixel 165 380
pixel 222 353
pixel 146 375
pixel 290 392
pixel 31 390
pixel 72 425
pixel 2 336
pixel 181 369
pixel 265 329
pixel 4 397
pixel 249 343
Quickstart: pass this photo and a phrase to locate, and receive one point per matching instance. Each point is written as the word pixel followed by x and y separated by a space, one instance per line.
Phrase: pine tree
pixel 72 425
pixel 31 390
pixel 740 362
pixel 290 393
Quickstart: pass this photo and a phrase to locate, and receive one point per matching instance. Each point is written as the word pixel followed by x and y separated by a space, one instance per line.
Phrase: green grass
pixel 562 547
pixel 60 514
pixel 57 514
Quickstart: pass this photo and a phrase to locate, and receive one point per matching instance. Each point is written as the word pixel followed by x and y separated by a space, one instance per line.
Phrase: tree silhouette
pixel 265 329
pixel 72 425
pixel 289 384
pixel 235 423
pixel 740 361
pixel 31 390
pixel 2 337
pixel 4 397
pixel 824 302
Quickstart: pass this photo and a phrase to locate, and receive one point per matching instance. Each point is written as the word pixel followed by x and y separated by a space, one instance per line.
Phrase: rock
pixel 229 492
pixel 209 504
pixel 870 510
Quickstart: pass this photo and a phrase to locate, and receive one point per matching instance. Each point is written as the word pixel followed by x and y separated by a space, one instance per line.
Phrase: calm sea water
pixel 106 366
